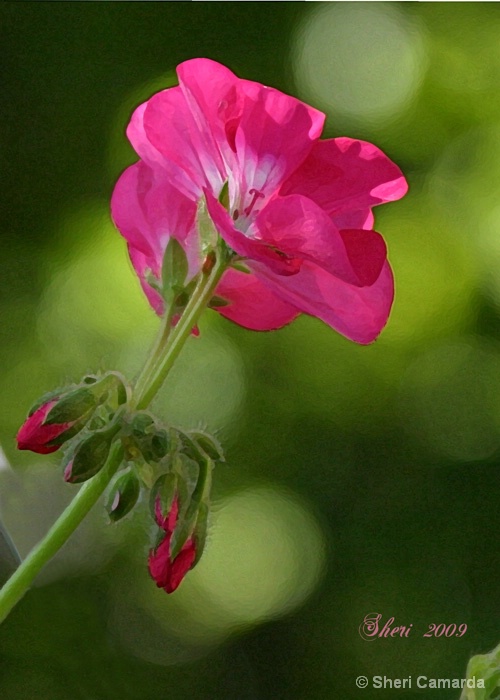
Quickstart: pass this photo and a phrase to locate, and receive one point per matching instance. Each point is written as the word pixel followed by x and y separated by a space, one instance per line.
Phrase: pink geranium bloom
pixel 299 211
pixel 169 573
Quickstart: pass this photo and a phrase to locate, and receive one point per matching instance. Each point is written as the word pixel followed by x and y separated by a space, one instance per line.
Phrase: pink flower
pixel 299 212
pixel 37 437
pixel 169 573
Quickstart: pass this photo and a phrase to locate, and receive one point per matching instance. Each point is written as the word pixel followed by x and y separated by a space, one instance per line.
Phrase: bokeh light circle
pixel 363 61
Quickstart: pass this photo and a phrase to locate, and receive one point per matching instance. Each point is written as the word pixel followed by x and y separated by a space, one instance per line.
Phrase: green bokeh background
pixel 359 479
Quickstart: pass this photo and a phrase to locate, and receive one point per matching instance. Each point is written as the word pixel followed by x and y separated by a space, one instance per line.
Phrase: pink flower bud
pixel 169 573
pixel 37 437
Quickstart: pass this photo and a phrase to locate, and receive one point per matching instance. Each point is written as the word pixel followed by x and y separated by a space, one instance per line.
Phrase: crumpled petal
pixel 252 304
pixel 297 227
pixel 292 229
pixel 247 246
pixel 359 313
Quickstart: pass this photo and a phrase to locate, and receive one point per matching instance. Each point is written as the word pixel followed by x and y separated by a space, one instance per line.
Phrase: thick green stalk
pixel 161 359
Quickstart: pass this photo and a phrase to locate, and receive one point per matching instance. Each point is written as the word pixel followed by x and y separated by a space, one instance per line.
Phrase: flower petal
pixel 168 574
pixel 210 91
pixel 252 304
pixel 176 167
pixel 174 131
pixel 344 174
pixel 297 227
pixel 359 313
pixel 148 210
pixel 35 436
pixel 255 134
pixel 142 265
pixel 274 136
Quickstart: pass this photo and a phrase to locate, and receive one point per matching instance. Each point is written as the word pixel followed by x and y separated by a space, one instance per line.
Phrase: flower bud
pixel 168 570
pixel 152 441
pixel 88 458
pixel 123 495
pixel 39 436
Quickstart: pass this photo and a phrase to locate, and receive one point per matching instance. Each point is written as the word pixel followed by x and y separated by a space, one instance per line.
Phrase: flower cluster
pixel 87 420
pixel 295 210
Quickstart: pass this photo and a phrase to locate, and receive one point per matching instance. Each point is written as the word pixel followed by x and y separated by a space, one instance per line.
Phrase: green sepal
pixel 159 445
pixel 190 447
pixel 184 529
pixel 146 472
pixel 188 471
pixel 68 434
pixel 241 267
pixel 111 382
pixel 151 279
pixel 123 495
pixel 224 195
pixel 217 302
pixel 142 424
pixel 188 517
pixel 90 379
pixel 164 488
pixel 150 440
pixel 71 407
pixel 121 392
pixel 200 531
pixel 204 224
pixel 49 396
pixel 210 446
pixel 174 270
pixel 88 458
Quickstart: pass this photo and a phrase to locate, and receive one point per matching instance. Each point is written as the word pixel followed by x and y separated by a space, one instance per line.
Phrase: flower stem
pixel 155 352
pixel 161 359
pixel 201 296
pixel 68 521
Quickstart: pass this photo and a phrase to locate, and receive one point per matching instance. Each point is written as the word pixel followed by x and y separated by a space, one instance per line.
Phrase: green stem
pixel 161 359
pixel 202 294
pixel 158 346
pixel 60 531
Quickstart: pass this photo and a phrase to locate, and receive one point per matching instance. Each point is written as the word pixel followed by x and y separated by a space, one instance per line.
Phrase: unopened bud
pixel 123 495
pixel 89 457
pixel 151 441
pixel 37 435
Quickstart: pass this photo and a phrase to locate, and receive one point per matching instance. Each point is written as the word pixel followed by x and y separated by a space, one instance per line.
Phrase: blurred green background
pixel 359 479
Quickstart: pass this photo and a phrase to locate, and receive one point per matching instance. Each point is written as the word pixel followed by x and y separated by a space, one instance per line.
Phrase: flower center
pixel 255 194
